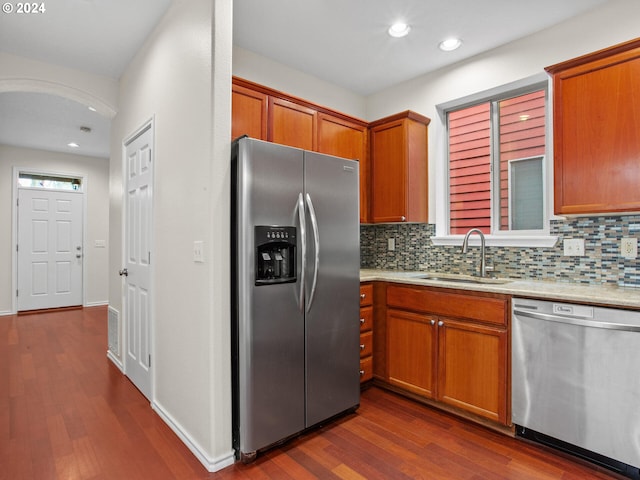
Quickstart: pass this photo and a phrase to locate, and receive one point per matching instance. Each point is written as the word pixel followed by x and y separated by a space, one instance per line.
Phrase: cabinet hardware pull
pixel 361 372
pixel 361 346
pixel 440 323
pixel 363 295
pixel 433 322
pixel 362 321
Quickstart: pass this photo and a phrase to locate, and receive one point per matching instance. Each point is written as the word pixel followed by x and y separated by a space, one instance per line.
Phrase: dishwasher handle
pixel 583 322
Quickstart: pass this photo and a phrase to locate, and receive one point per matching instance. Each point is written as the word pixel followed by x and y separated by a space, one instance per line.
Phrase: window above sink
pixel 493 166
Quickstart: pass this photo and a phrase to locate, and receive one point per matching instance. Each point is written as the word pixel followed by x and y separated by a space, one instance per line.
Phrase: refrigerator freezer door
pixel 332 321
pixel 270 363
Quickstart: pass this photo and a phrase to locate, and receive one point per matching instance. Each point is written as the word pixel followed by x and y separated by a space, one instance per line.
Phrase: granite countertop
pixel 625 297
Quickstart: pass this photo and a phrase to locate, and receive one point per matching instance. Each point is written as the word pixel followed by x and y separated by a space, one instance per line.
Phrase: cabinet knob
pixel 403 218
pixel 433 322
pixel 440 323
pixel 363 296
pixel 362 321
pixel 361 346
pixel 361 372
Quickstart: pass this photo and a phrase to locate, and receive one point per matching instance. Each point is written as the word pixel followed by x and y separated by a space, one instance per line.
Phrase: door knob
pixel 123 272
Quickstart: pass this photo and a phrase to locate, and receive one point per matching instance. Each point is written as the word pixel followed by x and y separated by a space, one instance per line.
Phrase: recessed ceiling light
pixel 450 44
pixel 73 145
pixel 399 29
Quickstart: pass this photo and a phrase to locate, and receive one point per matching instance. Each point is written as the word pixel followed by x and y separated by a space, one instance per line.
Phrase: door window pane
pixel 49 182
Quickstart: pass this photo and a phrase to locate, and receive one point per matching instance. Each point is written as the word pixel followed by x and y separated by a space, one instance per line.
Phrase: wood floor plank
pixel 66 412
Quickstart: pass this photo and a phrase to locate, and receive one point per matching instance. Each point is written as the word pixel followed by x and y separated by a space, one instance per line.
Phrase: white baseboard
pixel 211 464
pixel 115 360
pixel 96 304
pixel 6 313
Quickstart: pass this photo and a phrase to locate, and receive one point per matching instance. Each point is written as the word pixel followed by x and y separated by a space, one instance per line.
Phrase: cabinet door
pixel 597 132
pixel 411 352
pixel 292 124
pixel 345 139
pixel 389 179
pixel 472 368
pixel 248 113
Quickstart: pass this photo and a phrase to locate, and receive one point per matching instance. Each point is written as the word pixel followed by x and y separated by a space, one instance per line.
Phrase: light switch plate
pixel 573 247
pixel 629 247
pixel 198 251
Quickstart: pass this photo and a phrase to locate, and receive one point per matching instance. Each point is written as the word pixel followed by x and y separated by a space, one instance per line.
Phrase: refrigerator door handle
pixel 303 246
pixel 316 240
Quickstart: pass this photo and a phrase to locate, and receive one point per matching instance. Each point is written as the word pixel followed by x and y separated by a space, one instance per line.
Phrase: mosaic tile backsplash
pixel 601 264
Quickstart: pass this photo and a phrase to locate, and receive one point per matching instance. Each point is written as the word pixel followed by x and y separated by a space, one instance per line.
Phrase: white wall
pixel 19 74
pixel 96 227
pixel 184 65
pixel 615 22
pixel 256 68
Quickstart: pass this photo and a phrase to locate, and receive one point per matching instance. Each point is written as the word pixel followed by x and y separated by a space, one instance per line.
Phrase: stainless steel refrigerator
pixel 295 275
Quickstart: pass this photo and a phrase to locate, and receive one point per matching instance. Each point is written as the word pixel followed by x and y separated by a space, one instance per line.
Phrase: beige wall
pixel 180 74
pixel 20 74
pixel 96 226
pixel 262 70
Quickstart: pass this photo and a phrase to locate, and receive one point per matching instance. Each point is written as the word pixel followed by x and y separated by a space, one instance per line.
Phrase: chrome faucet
pixel 465 248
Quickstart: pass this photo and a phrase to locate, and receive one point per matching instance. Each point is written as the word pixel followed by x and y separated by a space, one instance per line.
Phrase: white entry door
pixel 50 249
pixel 138 205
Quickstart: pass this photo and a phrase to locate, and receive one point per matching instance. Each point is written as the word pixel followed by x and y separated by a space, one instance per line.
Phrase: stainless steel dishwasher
pixel 576 380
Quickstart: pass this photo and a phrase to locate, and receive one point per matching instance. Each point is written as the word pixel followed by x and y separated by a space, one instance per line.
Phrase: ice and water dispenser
pixel 275 254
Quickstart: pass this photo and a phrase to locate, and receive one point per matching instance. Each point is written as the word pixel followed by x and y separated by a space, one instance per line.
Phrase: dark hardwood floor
pixel 67 413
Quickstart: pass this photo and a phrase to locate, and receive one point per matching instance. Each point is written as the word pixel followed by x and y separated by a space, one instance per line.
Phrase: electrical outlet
pixel 391 244
pixel 629 247
pixel 198 251
pixel 573 247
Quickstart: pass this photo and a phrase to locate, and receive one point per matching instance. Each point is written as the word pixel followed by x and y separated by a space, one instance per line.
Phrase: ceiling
pixel 343 42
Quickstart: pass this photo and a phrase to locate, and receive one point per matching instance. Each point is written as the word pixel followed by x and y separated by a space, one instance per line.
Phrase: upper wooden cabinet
pixel 399 168
pixel 343 138
pixel 597 131
pixel 292 124
pixel 248 113
pixel 268 114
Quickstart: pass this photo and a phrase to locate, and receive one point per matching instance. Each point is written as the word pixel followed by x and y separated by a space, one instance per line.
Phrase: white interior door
pixel 138 204
pixel 50 249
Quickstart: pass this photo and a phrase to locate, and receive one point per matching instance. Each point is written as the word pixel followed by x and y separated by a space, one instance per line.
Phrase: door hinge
pixel 16 292
pixel 149 364
pixel 17 247
pixel 149 255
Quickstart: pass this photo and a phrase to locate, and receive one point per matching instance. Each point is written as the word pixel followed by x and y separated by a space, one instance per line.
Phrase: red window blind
pixel 522 135
pixel 470 169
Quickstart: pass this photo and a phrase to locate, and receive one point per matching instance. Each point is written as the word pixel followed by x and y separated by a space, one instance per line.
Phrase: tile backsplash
pixel 602 262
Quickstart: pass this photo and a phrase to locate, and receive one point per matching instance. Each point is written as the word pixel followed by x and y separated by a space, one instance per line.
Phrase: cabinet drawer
pixel 366 369
pixel 366 319
pixel 440 302
pixel 366 344
pixel 366 294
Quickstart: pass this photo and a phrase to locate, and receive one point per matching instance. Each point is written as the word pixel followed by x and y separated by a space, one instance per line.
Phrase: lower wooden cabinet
pixel 366 332
pixel 460 362
pixel 411 352
pixel 472 368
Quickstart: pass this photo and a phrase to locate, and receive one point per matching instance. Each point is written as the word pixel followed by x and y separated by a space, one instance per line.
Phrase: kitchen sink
pixel 462 279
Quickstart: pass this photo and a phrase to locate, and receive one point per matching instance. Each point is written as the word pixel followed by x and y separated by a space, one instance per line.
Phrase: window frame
pixel 516 238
